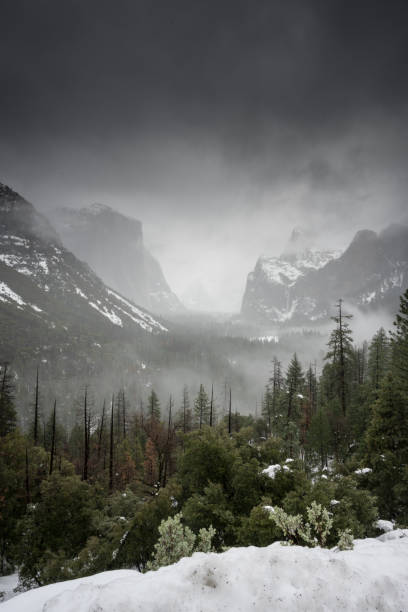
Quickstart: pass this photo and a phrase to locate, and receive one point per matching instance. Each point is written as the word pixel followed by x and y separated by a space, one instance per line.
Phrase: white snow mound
pixel 373 576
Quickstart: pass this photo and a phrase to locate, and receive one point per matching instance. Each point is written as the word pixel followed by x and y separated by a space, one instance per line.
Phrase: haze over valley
pixel 203 305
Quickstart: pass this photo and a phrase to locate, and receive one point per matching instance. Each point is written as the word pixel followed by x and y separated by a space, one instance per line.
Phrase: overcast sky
pixel 219 124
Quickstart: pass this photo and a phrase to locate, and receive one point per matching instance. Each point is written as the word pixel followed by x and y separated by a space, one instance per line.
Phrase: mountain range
pixel 112 244
pixel 56 311
pixel 301 286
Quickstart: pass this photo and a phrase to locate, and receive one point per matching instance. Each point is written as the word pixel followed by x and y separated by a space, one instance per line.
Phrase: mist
pixel 220 130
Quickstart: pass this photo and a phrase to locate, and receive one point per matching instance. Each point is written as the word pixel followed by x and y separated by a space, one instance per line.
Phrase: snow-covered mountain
pixel 301 286
pixel 112 244
pixel 48 296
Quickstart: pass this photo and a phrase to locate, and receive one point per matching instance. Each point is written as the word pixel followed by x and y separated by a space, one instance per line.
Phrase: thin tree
pixel 27 478
pixel 8 417
pixel 53 437
pixel 124 413
pixel 86 435
pixel 186 410
pixel 36 410
pixel 111 448
pixel 340 345
pixel 101 430
pixel 230 412
pixel 168 443
pixel 212 405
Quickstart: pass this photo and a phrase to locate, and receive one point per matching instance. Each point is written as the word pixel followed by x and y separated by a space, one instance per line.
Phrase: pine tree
pixel 153 407
pixel 400 345
pixel 294 388
pixel 202 407
pixel 340 356
pixel 378 358
pixel 53 438
pixel 36 410
pixel 87 434
pixel 387 449
pixel 101 431
pixel 111 438
pixel 185 413
pixel 318 437
pixel 272 399
pixel 212 413
pixel 8 416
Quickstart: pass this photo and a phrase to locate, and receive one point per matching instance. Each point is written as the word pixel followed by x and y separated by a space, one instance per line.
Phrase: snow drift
pixel 373 576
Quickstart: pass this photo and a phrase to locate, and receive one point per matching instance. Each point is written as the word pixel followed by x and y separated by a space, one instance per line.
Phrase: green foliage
pixel 177 541
pixel 208 456
pixel 153 406
pixel 202 408
pixel 57 526
pixel 387 449
pixel 314 532
pixel 378 358
pixel 212 507
pixel 257 529
pixel 345 540
pixel 137 547
pixel 400 345
pixel 8 416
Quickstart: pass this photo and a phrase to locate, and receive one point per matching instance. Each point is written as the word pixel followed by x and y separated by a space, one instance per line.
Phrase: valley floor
pixel 373 576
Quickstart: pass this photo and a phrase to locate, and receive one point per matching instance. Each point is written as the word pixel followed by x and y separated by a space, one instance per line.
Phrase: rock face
pixel 301 287
pixel 47 295
pixel 112 245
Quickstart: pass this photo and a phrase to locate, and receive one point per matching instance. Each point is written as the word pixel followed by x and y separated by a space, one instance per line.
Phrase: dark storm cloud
pixel 237 67
pixel 201 112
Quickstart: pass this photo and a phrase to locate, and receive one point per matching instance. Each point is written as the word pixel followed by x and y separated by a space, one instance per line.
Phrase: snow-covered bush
pixel 314 532
pixel 345 540
pixel 177 541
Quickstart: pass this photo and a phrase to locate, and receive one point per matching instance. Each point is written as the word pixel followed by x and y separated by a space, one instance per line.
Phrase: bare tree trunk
pixel 101 426
pixel 124 413
pixel 27 478
pixel 111 449
pixel 36 407
pixel 86 436
pixel 211 405
pixel 230 412
pixel 53 438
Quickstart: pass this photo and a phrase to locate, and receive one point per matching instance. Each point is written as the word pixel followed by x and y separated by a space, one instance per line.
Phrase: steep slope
pixel 53 307
pixel 112 245
pixel 270 294
pixel 302 288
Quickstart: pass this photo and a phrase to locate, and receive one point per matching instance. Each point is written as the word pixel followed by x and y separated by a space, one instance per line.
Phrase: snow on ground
pixel 7 584
pixel 7 294
pixel 373 576
pixel 385 526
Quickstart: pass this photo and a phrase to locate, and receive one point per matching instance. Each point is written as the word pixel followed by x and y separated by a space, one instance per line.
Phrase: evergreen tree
pixel 340 356
pixel 53 438
pixel 400 345
pixel 36 410
pixel 387 449
pixel 273 398
pixel 294 388
pixel 318 437
pixel 185 417
pixel 202 407
pixel 378 358
pixel 153 407
pixel 8 416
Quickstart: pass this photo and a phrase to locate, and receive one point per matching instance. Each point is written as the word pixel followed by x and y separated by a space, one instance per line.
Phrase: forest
pixel 107 493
